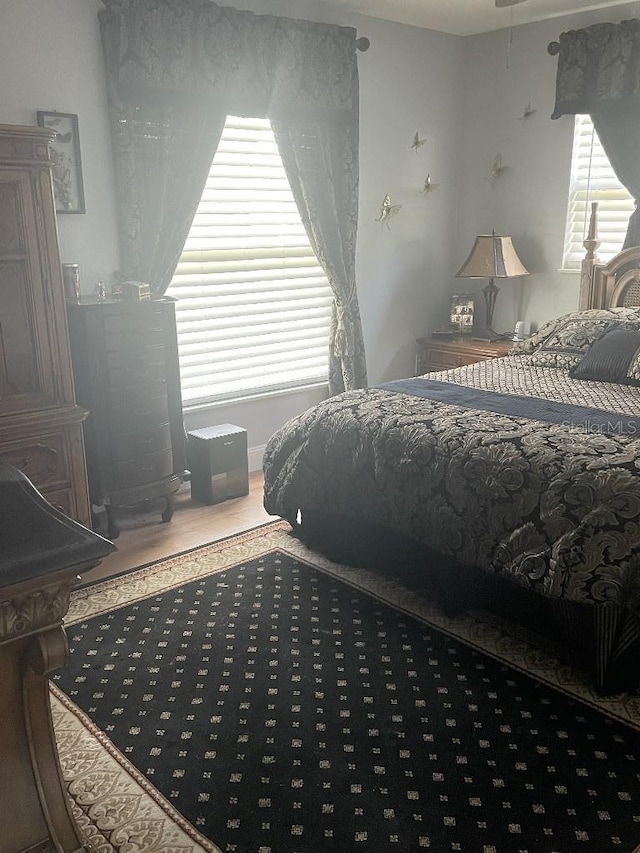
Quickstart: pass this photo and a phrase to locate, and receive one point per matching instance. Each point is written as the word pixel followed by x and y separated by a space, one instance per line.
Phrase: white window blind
pixel 593 179
pixel 254 305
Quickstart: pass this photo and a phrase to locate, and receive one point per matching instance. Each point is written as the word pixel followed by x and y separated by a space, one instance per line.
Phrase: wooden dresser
pixel 125 359
pixel 438 354
pixel 42 554
pixel 40 423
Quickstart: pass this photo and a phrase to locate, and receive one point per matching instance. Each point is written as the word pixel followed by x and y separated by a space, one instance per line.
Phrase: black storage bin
pixel 217 459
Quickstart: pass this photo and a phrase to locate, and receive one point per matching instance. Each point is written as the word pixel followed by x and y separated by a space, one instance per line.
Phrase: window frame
pixel 592 179
pixel 232 234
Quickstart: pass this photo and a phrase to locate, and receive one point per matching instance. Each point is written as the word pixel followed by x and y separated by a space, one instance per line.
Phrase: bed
pixel 516 478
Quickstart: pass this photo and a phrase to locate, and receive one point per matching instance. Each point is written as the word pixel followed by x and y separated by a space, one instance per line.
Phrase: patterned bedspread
pixel 554 506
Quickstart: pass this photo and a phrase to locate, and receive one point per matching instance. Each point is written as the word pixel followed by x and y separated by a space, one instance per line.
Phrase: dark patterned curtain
pixel 175 69
pixel 321 161
pixel 162 158
pixel 599 74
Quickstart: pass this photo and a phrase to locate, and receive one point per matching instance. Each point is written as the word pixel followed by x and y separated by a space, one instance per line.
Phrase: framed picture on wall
pixel 462 307
pixel 65 156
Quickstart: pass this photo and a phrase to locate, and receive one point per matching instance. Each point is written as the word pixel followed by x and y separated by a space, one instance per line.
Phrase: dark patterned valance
pixel 228 56
pixel 175 69
pixel 598 65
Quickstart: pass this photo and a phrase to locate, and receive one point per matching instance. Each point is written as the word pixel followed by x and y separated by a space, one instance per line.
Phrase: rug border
pixel 278 522
pixel 103 585
pixel 139 779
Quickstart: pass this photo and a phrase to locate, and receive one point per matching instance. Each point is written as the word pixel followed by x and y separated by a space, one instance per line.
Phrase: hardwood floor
pixel 145 538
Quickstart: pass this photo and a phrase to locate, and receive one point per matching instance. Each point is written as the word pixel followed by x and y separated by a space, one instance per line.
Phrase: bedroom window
pixel 593 179
pixel 254 305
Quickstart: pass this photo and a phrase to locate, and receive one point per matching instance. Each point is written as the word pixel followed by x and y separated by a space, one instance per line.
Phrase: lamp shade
pixel 492 256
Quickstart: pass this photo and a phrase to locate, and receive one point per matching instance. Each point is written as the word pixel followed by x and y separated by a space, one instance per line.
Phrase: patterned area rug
pixel 253 696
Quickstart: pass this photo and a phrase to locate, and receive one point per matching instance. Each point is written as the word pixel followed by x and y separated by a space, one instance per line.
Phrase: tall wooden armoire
pixel 40 423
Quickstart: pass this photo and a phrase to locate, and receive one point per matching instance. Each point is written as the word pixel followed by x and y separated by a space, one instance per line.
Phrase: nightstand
pixel 441 354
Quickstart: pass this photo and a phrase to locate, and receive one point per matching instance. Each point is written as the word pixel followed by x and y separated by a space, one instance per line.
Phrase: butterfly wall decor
pixel 528 111
pixel 497 169
pixel 388 210
pixel 417 142
pixel 429 186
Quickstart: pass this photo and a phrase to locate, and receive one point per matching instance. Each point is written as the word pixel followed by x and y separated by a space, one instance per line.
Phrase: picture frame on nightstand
pixel 462 313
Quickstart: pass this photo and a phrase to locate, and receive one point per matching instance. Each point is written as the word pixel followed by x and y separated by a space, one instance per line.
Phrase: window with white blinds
pixel 254 306
pixel 593 179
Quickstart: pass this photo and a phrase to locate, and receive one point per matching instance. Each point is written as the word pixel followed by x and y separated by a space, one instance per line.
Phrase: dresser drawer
pixel 434 359
pixel 446 355
pixel 133 445
pixel 146 469
pixel 139 414
pixel 142 374
pixel 61 499
pixel 43 460
pixel 135 394
pixel 122 360
pixel 136 321
pixel 134 342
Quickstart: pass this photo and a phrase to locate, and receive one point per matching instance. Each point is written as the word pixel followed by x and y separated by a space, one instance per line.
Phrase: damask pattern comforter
pixel 548 496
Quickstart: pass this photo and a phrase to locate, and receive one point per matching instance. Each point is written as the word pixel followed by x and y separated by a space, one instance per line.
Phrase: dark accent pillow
pixel 610 358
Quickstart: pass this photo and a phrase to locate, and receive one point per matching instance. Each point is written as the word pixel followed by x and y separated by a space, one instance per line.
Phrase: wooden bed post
pixel 589 299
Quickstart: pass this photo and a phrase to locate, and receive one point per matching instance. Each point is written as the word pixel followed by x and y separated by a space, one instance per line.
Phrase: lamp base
pixel 490 293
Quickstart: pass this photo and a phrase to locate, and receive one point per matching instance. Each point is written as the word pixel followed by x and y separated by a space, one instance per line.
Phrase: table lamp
pixel 492 256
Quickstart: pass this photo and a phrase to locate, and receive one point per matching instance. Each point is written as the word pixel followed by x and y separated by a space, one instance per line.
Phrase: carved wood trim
pixel 26 144
pixel 588 297
pixel 28 612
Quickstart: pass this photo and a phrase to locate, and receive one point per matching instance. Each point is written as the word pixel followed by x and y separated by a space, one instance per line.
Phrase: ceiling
pixel 467 17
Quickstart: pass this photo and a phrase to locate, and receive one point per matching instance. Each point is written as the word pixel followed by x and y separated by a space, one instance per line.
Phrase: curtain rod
pixel 553 48
pixel 363 43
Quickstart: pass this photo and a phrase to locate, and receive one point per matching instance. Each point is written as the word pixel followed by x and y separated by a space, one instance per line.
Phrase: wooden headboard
pixel 611 285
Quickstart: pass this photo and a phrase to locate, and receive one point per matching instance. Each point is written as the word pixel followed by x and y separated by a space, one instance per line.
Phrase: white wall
pixel 51 59
pixel 529 201
pixel 410 81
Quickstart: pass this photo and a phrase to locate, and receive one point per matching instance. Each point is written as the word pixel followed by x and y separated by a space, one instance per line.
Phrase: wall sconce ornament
pixel 417 142
pixel 429 186
pixel 497 169
pixel 388 210
pixel 527 112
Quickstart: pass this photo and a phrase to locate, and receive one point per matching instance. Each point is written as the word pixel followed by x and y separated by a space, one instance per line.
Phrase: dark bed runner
pixel 582 418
